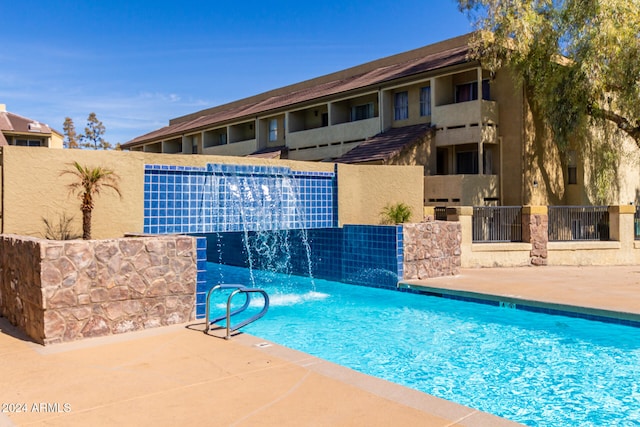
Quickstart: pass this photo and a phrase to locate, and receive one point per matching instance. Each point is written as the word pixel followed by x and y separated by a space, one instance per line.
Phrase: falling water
pixel 269 211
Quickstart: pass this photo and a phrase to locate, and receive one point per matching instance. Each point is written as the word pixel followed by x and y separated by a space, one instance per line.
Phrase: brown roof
pixel 386 145
pixel 11 123
pixel 371 74
pixel 270 152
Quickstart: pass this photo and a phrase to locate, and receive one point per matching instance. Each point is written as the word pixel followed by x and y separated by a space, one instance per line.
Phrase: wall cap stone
pixel 622 209
pixel 535 210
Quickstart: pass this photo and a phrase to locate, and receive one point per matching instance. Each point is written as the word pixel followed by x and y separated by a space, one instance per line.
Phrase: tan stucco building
pixel 473 132
pixel 22 131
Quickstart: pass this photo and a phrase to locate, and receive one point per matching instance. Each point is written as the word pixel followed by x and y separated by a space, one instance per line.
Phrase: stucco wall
pixel 32 188
pixel 363 191
pixel 59 291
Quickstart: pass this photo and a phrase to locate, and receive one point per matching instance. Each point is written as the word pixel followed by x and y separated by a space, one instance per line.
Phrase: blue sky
pixel 137 64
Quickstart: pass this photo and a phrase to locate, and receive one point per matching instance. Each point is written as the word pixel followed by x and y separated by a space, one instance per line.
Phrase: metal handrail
pixel 237 290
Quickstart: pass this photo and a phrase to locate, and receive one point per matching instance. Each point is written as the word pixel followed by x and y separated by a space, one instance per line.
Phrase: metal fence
pixel 578 223
pixel 497 224
pixel 636 223
pixel 440 213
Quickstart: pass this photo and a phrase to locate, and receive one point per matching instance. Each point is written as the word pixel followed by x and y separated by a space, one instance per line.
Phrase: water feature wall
pixel 227 198
pixel 269 218
pixel 366 255
pixel 358 254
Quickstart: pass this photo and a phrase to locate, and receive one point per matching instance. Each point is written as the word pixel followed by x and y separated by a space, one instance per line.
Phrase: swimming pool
pixel 532 368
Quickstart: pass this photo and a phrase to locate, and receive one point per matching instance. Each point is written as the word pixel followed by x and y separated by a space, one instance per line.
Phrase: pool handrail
pixel 237 290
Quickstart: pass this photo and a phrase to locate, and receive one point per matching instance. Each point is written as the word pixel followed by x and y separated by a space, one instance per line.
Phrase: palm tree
pixel 88 183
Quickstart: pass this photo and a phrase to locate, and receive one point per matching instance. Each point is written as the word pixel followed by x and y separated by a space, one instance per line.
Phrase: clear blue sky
pixel 137 64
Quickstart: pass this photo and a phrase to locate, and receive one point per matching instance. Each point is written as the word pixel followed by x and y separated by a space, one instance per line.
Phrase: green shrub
pixel 396 214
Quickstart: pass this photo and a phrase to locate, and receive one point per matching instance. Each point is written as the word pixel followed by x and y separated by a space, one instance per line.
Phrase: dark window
pixel 469 91
pixel 362 112
pixel 28 142
pixel 572 167
pixel 467 162
pixel 486 90
pixel 442 161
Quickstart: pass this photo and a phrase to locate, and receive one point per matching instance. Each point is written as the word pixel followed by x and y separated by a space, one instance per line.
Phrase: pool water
pixel 535 369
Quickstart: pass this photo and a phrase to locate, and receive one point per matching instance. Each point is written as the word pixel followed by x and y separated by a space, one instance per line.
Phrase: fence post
pixel 621 224
pixel 463 214
pixel 429 213
pixel 535 230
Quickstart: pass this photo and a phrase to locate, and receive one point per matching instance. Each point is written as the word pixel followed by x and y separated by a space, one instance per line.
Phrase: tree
pixel 89 182
pixel 579 60
pixel 93 134
pixel 70 136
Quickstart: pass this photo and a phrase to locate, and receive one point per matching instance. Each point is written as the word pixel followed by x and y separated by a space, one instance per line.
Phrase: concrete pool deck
pixel 177 375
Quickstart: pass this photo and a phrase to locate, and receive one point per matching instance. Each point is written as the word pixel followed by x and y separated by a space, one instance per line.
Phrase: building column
pixel 535 230
pixel 621 224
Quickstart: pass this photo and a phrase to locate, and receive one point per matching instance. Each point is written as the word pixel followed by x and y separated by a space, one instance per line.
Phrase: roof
pixel 386 145
pixel 429 58
pixel 270 152
pixel 11 123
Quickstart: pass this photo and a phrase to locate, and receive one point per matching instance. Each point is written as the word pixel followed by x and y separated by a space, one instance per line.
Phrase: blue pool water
pixel 535 369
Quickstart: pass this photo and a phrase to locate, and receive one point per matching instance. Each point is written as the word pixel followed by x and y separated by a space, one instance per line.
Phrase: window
pixel 486 90
pixel 467 162
pixel 442 161
pixel 273 130
pixel 469 91
pixel 572 167
pixel 401 106
pixel 28 142
pixel 222 139
pixel 425 101
pixel 362 112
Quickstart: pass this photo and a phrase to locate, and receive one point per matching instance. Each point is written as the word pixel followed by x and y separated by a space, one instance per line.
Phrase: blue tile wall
pixel 227 198
pixel 358 254
pixel 201 281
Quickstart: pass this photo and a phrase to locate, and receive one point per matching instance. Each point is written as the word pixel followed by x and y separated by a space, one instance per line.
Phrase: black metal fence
pixel 497 224
pixel 568 223
pixel 440 213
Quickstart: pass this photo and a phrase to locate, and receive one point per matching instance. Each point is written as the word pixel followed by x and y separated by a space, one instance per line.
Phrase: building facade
pixel 473 132
pixel 22 131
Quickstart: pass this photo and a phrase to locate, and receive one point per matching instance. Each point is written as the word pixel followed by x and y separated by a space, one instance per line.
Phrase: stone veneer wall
pixel 431 249
pixel 535 231
pixel 60 291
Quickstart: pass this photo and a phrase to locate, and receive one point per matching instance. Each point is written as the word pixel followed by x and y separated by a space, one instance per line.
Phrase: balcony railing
pixel 568 223
pixel 497 224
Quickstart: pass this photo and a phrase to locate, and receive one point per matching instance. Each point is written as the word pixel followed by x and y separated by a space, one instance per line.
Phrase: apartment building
pixel 19 130
pixel 472 131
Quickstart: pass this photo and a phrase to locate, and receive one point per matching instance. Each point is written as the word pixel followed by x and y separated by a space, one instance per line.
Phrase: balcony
pixel 351 131
pixel 464 190
pixel 466 122
pixel 241 148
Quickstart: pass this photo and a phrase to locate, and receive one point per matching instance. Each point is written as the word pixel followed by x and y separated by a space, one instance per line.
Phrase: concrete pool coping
pixel 177 375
